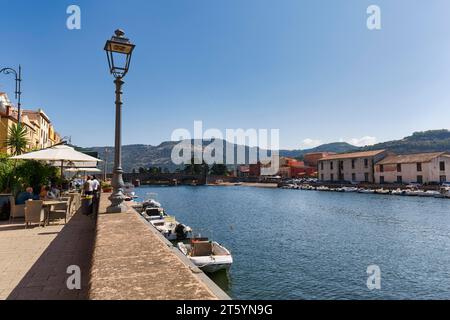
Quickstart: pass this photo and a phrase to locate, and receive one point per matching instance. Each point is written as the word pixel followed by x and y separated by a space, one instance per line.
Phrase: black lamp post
pixel 18 91
pixel 118 51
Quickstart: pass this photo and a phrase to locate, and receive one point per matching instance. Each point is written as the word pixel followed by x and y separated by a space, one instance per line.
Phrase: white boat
pixel 209 256
pixel 362 190
pixel 171 229
pixel 154 214
pixel 431 193
pixel 382 191
pixel 445 191
pixel 323 188
pixel 398 192
pixel 414 193
pixel 150 203
pixel 350 189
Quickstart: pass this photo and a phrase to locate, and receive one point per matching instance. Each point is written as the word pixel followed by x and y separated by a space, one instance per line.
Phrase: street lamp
pixel 18 91
pixel 118 51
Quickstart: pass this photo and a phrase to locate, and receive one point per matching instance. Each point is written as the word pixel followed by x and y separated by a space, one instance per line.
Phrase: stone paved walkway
pixel 119 255
pixel 132 262
pixel 19 250
pixel 33 262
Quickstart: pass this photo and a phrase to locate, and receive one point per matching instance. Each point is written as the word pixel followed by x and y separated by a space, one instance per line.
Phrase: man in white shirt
pixel 95 184
pixel 96 191
pixel 88 186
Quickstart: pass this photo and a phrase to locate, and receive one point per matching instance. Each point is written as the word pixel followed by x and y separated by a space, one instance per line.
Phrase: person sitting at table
pixel 55 191
pixel 25 195
pixel 47 194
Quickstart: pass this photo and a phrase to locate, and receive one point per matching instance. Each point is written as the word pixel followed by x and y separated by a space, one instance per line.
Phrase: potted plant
pixel 106 187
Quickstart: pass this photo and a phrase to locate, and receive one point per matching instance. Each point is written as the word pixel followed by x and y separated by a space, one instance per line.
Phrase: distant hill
pixel 426 141
pixel 145 156
pixel 337 147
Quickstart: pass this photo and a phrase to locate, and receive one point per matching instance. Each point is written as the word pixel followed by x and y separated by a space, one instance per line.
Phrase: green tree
pixel 6 170
pixel 35 174
pixel 193 168
pixel 17 139
pixel 219 169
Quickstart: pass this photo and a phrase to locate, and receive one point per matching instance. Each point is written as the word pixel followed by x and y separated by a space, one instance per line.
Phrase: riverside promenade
pixel 120 257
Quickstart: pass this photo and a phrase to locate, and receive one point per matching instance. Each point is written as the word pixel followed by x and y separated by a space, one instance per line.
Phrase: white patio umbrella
pixel 60 153
pixel 83 169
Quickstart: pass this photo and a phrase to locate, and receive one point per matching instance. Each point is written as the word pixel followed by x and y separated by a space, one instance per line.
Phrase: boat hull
pixel 212 263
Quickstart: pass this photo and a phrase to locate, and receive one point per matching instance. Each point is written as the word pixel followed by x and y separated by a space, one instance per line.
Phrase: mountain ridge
pixel 135 156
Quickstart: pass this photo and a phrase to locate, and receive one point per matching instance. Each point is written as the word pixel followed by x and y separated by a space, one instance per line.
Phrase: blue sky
pixel 309 68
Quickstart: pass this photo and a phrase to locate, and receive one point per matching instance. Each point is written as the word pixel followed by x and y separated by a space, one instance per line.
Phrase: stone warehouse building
pixel 351 167
pixel 420 168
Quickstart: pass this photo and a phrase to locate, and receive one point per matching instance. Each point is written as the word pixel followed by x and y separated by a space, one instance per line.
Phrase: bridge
pixel 173 178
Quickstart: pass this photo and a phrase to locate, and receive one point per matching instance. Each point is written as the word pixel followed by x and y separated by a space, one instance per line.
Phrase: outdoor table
pixel 47 204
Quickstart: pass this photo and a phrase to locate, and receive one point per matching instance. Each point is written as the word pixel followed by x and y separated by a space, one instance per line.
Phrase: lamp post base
pixel 117 203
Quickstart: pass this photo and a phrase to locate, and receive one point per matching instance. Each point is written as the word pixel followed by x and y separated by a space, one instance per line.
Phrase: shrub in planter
pixel 106 187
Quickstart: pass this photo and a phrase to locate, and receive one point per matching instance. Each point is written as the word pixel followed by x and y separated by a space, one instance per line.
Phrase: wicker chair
pixel 61 211
pixel 34 212
pixel 17 210
pixel 74 203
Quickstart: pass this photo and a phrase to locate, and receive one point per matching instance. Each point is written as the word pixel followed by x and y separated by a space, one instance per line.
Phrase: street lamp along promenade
pixel 18 92
pixel 118 50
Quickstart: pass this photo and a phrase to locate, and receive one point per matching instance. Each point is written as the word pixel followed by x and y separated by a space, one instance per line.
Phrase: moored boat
pixel 398 192
pixel 382 191
pixel 430 193
pixel 171 229
pixel 210 256
pixel 350 189
pixel 368 191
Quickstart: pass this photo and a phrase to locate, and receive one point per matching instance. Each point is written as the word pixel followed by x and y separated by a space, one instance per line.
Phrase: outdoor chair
pixel 75 203
pixel 17 210
pixel 61 211
pixel 34 212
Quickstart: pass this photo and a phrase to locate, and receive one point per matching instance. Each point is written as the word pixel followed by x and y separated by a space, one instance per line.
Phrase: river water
pixel 297 244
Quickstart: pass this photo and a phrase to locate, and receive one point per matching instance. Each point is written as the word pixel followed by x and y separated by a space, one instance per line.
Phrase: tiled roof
pixel 411 158
pixel 352 155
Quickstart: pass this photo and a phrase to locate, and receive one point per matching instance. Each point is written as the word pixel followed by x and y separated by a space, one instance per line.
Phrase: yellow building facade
pixel 40 131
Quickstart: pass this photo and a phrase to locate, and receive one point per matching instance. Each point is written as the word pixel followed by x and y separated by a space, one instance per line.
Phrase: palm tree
pixel 17 139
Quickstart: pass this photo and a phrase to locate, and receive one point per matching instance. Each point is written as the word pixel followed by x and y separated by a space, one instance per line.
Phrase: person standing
pixel 88 186
pixel 96 192
pixel 95 184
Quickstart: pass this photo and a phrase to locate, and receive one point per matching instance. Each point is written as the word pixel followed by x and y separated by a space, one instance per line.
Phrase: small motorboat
pixel 414 192
pixel 368 191
pixel 431 193
pixel 323 188
pixel 209 256
pixel 150 203
pixel 130 196
pixel 350 189
pixel 398 192
pixel 445 191
pixel 154 214
pixel 171 229
pixel 382 191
